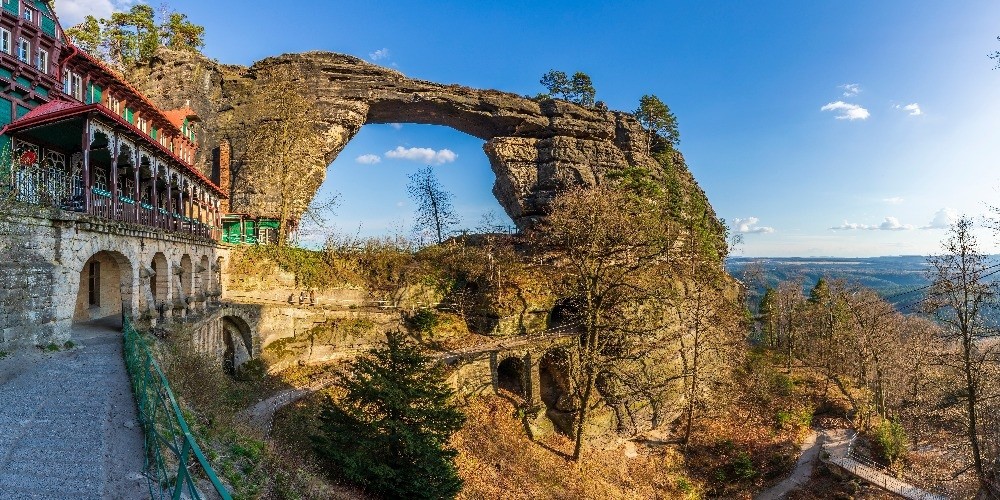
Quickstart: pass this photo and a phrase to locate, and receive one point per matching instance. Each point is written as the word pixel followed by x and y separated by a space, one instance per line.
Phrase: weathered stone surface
pixel 535 148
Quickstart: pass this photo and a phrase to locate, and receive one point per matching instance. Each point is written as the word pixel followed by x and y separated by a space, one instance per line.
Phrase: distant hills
pixel 888 276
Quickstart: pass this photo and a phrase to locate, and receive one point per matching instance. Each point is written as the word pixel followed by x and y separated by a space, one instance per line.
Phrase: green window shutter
pixel 42 91
pixel 49 26
pixel 94 94
pixel 5 110
pixel 6 73
pixel 129 116
pixel 154 133
pixel 24 82
pixel 21 111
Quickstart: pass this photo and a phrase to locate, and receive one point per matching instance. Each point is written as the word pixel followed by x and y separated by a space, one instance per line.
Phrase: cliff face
pixel 535 148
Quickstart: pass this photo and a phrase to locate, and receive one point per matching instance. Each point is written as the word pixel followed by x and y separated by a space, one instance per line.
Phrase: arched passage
pixel 510 376
pixel 105 289
pixel 159 282
pixel 564 314
pixel 238 341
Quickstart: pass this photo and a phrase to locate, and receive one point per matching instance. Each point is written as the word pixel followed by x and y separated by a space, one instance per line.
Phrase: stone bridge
pixel 534 369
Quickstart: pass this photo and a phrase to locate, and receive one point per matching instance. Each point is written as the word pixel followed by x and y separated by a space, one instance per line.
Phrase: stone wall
pixel 44 279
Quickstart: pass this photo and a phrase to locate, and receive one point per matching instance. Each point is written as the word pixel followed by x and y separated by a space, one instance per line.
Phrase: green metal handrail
pixel 169 444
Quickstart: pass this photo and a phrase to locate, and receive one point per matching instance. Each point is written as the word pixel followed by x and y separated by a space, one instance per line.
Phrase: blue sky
pixel 909 138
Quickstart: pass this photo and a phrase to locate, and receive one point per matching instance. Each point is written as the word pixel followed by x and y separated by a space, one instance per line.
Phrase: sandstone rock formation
pixel 535 148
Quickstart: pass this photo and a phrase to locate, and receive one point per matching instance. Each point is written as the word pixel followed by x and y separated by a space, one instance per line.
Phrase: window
pixel 24 50
pixel 115 105
pixel 28 14
pixel 141 123
pixel 94 283
pixel 76 86
pixel 5 40
pixel 43 61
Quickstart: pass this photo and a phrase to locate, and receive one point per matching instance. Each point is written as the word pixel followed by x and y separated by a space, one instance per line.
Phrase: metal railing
pixel 171 450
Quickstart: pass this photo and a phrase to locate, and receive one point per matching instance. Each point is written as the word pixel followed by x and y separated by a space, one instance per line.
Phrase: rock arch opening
pixel 510 376
pixel 376 164
pixel 105 289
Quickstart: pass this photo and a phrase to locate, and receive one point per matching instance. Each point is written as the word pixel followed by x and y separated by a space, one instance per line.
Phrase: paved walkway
pixel 68 424
pixel 803 468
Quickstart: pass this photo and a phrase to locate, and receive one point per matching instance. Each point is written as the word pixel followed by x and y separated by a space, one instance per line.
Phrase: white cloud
pixel 895 200
pixel 913 108
pixel 424 155
pixel 396 126
pixel 379 54
pixel 850 89
pixel 889 224
pixel 368 159
pixel 943 219
pixel 847 111
pixel 749 225
pixel 892 224
pixel 73 12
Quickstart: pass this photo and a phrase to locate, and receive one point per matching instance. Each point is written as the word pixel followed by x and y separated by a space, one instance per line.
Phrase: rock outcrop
pixel 535 148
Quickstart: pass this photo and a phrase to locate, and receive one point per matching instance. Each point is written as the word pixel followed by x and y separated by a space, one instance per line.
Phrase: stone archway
pixel 238 340
pixel 536 148
pixel 105 289
pixel 510 376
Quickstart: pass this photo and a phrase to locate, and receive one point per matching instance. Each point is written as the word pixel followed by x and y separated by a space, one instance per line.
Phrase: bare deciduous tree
pixel 434 210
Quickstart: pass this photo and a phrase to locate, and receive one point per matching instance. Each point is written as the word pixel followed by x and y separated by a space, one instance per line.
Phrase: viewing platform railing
pixel 171 449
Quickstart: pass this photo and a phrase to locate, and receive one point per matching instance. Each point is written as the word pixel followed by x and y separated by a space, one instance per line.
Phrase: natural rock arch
pixel 535 148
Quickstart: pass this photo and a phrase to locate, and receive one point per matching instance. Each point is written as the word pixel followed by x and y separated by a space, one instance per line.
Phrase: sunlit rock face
pixel 536 148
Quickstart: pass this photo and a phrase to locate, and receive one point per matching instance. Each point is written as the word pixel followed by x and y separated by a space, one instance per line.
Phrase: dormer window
pixel 28 15
pixel 24 50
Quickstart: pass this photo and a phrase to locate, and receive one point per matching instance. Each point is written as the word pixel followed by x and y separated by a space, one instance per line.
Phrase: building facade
pixel 78 137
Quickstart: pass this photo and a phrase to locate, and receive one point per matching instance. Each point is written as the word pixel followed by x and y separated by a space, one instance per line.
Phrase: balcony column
pixel 115 151
pixel 137 197
pixel 85 145
pixel 170 199
pixel 155 201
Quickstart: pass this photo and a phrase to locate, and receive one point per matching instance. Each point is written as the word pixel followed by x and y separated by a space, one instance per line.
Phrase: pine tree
pixel 390 431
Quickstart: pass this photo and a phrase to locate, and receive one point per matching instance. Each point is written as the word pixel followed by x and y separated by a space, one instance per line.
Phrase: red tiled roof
pixel 57 109
pixel 177 116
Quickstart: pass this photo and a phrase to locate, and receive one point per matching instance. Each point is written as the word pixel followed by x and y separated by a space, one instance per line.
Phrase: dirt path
pixel 68 424
pixel 803 468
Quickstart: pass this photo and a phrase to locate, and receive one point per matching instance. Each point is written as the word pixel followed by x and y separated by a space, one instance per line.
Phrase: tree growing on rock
pixel 389 433
pixel 655 116
pixel 278 143
pixel 578 89
pixel 609 254
pixel 435 212
pixel 132 37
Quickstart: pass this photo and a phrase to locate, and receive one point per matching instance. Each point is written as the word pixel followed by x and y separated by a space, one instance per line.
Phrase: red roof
pixel 57 110
pixel 177 116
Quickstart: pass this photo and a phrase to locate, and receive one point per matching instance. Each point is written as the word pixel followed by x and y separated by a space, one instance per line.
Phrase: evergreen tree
pixel 578 89
pixel 767 315
pixel 390 431
pixel 655 116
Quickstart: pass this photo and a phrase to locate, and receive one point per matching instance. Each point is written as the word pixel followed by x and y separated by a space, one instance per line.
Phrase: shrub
pixel 891 442
pixel 424 321
pixel 742 467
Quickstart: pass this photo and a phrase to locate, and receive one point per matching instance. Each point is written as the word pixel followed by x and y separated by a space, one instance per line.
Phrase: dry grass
pixel 497 460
